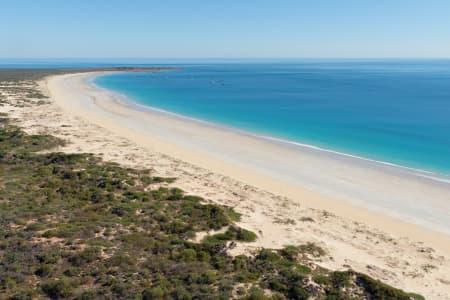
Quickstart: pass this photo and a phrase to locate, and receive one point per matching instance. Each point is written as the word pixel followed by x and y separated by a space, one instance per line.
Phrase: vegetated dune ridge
pixel 403 260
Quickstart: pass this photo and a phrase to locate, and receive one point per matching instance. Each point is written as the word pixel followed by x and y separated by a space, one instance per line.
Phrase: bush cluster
pixel 74 227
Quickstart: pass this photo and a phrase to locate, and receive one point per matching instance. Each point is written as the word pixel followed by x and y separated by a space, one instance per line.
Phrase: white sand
pixel 279 189
pixel 284 169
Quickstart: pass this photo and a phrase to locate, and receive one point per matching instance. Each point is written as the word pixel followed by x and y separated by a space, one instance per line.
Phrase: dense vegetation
pixel 74 227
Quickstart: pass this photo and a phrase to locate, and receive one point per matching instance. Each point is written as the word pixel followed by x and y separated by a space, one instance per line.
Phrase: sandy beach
pixel 388 222
pixel 317 178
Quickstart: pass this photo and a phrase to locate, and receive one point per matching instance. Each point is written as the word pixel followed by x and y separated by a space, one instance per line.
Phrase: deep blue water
pixel 393 111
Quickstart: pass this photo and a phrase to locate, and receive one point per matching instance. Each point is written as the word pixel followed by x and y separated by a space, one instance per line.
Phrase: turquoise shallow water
pixel 392 111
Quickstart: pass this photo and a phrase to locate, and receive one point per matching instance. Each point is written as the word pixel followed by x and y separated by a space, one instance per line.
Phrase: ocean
pixel 394 111
pixel 391 111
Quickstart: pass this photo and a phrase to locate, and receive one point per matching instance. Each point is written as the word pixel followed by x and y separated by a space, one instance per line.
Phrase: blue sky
pixel 224 29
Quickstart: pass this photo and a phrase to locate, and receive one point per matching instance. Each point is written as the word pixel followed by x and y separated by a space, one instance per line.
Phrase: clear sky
pixel 224 28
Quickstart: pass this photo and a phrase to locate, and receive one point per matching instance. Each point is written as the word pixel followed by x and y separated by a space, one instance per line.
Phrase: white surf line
pixel 434 176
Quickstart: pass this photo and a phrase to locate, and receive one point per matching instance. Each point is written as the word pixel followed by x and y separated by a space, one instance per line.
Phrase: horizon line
pixel 228 58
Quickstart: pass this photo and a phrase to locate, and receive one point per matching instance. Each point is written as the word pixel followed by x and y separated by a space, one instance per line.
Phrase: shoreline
pixel 322 199
pixel 404 170
pixel 419 169
pixel 105 104
pixel 402 254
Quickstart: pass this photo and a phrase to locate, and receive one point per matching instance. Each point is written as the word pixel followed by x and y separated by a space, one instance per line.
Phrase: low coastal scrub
pixel 74 227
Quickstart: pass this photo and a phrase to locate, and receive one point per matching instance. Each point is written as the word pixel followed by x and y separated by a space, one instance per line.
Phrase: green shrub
pixel 154 293
pixel 189 255
pixel 87 295
pixel 290 252
pixel 312 248
pixel 256 294
pixel 321 279
pixel 85 257
pixel 56 289
pixel 276 285
pixel 340 279
pixel 379 290
pixel 72 271
pixel 298 293
pixel 244 235
pixel 121 260
pixel 302 269
pixel 44 270
pixel 24 294
pixel 233 233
